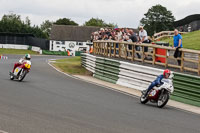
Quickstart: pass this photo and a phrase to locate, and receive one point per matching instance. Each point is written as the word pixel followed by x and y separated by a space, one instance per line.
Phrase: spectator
pixel 117 34
pixel 134 38
pixel 96 36
pixel 177 43
pixel 143 37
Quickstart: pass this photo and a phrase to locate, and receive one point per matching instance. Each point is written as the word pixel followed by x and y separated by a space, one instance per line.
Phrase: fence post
pixel 154 56
pixel 114 49
pixel 110 49
pixel 199 66
pixel 106 49
pixel 94 47
pixel 126 50
pixel 119 51
pixel 143 54
pixel 133 52
pixel 182 59
pixel 100 46
pixel 166 58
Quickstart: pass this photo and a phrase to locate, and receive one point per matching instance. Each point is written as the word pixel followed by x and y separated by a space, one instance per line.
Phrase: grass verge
pixel 17 51
pixel 71 66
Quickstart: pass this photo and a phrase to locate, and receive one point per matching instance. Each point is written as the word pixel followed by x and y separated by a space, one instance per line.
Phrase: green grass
pixel 71 66
pixel 16 51
pixel 191 40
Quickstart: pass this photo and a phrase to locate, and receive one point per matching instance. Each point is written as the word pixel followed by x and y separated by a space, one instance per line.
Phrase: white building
pixel 72 38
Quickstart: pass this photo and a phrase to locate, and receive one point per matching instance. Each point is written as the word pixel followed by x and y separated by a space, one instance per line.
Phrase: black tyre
pixel 143 99
pixel 11 77
pixel 163 100
pixel 22 76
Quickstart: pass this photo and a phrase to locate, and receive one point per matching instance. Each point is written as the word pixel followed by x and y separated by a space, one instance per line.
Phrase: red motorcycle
pixel 20 71
pixel 159 94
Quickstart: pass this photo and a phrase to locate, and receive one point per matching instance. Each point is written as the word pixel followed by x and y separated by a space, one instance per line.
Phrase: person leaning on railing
pixel 177 43
pixel 143 37
pixel 134 38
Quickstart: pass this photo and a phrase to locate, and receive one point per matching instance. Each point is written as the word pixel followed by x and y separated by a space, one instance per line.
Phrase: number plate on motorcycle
pixel 16 70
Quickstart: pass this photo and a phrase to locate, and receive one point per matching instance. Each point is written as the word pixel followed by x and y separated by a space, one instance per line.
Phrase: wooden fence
pixel 163 34
pixel 128 51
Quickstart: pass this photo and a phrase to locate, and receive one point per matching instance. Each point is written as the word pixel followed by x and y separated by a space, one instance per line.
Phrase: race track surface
pixel 50 102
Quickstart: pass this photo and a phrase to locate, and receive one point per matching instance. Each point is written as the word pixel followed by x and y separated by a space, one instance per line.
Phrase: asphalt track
pixel 50 102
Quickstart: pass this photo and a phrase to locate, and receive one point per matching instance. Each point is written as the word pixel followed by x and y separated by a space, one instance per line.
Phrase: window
pixel 80 43
pixel 62 42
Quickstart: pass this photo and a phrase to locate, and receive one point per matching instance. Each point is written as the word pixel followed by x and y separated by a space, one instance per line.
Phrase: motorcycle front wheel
pixel 22 75
pixel 162 101
pixel 143 99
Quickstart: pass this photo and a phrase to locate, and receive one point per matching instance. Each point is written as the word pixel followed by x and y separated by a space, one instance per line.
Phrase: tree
pixel 157 19
pixel 28 21
pixel 46 26
pixel 98 22
pixel 65 21
pixel 12 23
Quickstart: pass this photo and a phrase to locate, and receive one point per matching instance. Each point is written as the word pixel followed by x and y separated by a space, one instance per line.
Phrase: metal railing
pixel 127 50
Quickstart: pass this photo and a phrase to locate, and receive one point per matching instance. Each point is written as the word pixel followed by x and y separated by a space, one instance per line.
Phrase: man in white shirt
pixel 143 37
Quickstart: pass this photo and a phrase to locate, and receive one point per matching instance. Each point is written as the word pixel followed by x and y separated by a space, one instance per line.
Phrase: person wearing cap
pixel 143 37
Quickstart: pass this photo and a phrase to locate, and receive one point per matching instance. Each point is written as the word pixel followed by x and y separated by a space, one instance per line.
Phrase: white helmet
pixel 27 56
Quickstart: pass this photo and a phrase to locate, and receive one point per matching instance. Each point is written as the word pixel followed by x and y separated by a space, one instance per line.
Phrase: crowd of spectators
pixel 122 34
pixel 117 34
pixel 126 34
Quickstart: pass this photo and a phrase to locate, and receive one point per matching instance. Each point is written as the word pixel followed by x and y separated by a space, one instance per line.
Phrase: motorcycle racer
pixel 156 82
pixel 26 58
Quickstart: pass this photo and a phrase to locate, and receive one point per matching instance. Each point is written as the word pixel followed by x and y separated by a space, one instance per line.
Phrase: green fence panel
pixel 104 78
pixel 107 69
pixel 47 52
pixel 78 53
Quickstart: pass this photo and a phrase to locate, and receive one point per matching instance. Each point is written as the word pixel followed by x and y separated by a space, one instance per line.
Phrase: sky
pixel 124 13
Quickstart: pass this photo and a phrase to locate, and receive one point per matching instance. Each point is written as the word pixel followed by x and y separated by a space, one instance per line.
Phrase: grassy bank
pixel 191 40
pixel 16 51
pixel 71 66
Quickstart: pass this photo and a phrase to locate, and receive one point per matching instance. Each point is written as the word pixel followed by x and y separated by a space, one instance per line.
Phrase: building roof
pixel 187 20
pixel 72 33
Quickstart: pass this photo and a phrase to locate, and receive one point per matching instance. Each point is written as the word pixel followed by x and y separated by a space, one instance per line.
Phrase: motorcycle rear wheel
pixel 11 77
pixel 163 100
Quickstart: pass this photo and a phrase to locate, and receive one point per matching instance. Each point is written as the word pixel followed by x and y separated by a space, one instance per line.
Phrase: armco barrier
pixel 187 88
pixel 12 46
pixel 118 72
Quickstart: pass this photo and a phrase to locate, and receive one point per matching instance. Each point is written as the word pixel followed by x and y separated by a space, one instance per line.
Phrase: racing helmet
pixel 27 56
pixel 167 71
